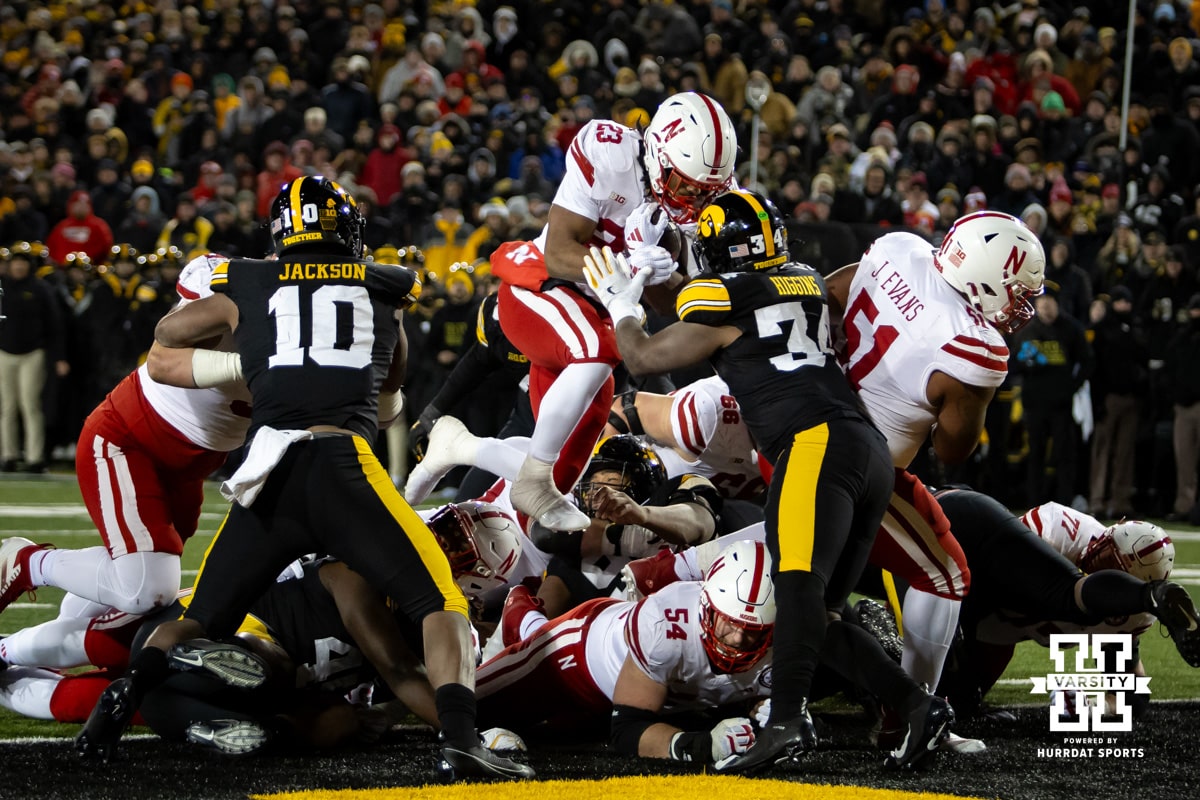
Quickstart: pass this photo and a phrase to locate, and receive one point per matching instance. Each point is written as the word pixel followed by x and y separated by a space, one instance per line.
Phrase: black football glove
pixel 418 434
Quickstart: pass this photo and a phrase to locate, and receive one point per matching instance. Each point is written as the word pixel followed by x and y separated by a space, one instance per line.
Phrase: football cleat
pixel 234 737
pixel 1175 610
pixel 777 743
pixel 107 723
pixel 928 726
pixel 954 743
pixel 477 761
pixel 14 568
pixel 534 493
pixel 230 664
pixel 877 620
pixel 517 605
pixel 645 576
pixel 450 445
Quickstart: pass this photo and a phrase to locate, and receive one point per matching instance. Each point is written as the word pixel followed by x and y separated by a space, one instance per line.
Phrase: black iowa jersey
pixel 316 336
pixel 782 369
pixel 303 619
pixel 503 353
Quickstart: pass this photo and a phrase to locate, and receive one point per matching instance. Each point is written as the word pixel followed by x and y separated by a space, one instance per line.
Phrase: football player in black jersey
pixel 762 321
pixel 318 341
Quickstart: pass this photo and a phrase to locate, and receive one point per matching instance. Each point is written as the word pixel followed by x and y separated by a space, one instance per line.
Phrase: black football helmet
pixel 741 231
pixel 316 209
pixel 642 473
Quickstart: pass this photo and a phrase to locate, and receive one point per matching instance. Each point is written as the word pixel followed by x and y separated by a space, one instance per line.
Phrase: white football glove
pixel 609 277
pixel 653 259
pixel 502 740
pixel 645 226
pixel 731 737
pixel 762 713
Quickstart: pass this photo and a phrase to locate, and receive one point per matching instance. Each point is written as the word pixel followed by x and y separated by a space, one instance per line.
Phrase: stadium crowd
pixel 136 135
pixel 529 200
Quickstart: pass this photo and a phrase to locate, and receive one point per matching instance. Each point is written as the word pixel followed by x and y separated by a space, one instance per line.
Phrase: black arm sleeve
pixel 628 725
pixel 468 373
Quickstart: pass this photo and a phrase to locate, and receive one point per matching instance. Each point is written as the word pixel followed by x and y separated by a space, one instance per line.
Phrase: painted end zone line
pixel 70 739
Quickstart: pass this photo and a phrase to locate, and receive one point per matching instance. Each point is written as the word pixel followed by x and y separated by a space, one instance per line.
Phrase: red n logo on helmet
pixel 672 128
pixel 1016 260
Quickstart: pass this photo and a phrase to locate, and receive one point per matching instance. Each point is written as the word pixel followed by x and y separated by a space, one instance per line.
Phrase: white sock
pixel 563 406
pixel 27 691
pixel 929 625
pixel 136 583
pixel 530 623
pixel 502 457
pixel 57 644
pixel 36 572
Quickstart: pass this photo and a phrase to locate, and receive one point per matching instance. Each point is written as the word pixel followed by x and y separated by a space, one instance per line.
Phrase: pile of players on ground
pixel 644 560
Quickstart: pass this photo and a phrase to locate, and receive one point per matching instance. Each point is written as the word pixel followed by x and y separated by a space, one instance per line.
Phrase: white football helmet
pixel 481 542
pixel 738 590
pixel 690 151
pixel 997 262
pixel 1142 549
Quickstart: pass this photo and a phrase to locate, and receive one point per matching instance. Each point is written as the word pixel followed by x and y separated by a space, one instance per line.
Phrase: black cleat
pixel 1175 610
pixel 234 737
pixel 477 761
pixel 232 665
pixel 777 743
pixel 928 726
pixel 108 721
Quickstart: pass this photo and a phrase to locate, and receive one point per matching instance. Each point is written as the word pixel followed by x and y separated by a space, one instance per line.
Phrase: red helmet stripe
pixel 716 122
pixel 757 576
pixel 1150 548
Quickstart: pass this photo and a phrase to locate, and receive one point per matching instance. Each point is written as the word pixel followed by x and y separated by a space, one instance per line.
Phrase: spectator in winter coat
pixel 80 231
pixel 381 172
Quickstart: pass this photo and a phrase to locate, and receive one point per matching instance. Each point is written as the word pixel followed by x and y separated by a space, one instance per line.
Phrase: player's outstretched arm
pixel 637 700
pixel 837 288
pixel 676 346
pixel 961 409
pixel 195 322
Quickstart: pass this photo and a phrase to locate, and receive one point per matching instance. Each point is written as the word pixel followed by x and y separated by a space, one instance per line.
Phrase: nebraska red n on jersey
pixel 903 322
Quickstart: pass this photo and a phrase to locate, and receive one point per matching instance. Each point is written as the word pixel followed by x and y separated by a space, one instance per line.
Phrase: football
pixel 674 242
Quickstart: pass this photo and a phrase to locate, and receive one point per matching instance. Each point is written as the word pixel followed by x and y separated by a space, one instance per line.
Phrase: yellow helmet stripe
pixel 295 204
pixel 765 219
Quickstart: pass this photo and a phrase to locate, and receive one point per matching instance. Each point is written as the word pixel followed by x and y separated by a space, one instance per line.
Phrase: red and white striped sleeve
pixel 978 358
pixel 645 632
pixel 195 279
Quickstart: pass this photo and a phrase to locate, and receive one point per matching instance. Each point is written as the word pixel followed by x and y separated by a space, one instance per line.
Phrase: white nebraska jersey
pixel 902 323
pixel 214 419
pixel 1069 532
pixel 603 181
pixel 1065 529
pixel 706 421
pixel 663 636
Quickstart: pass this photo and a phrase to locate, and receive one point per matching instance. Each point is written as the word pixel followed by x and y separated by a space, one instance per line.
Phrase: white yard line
pixel 70 739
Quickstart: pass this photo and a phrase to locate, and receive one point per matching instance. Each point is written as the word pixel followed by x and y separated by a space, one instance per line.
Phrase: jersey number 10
pixel 341 327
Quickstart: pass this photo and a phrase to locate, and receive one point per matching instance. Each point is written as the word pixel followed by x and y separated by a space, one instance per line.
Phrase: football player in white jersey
pixel 1073 576
pixel 692 646
pixel 923 347
pixel 622 189
pixel 142 459
pixel 697 429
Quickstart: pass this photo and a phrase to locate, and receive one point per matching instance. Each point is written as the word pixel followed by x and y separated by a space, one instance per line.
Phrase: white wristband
pixel 624 309
pixel 215 368
pixel 390 406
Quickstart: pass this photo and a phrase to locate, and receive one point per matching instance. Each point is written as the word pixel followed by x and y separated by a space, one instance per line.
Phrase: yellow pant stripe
pixel 798 499
pixel 414 527
pixel 889 588
pixel 216 536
